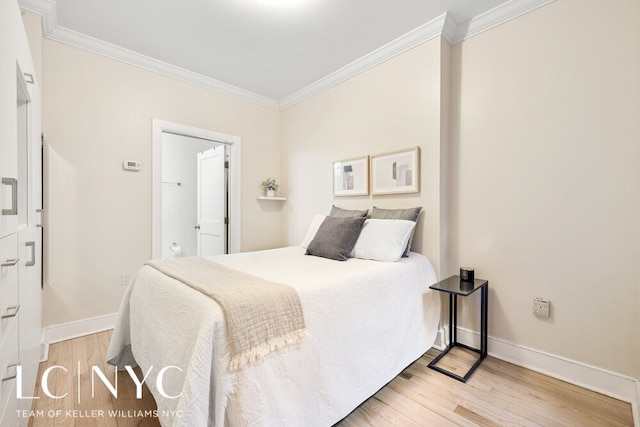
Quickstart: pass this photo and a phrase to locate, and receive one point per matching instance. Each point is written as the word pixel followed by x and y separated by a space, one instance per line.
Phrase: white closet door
pixel 211 202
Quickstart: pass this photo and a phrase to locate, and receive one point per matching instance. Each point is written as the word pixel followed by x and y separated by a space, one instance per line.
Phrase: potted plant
pixel 270 186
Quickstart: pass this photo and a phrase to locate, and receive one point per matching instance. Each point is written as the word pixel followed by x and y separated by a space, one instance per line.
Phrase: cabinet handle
pixel 32 245
pixel 11 376
pixel 10 262
pixel 10 315
pixel 13 183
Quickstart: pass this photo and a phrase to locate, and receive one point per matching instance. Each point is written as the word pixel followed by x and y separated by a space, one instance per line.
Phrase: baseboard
pixel 441 338
pixel 590 377
pixel 66 331
pixel 635 406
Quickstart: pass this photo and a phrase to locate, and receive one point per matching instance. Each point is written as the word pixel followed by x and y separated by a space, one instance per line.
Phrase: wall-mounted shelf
pixel 282 199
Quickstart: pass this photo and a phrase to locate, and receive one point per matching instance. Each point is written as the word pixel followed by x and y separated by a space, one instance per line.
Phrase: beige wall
pixel 33 28
pixel 97 113
pixel 529 169
pixel 545 178
pixel 389 107
pixel 529 135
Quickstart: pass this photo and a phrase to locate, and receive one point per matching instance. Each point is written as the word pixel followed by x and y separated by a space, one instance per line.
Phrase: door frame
pixel 234 183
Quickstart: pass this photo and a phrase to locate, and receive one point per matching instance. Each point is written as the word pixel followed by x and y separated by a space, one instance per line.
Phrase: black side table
pixel 454 287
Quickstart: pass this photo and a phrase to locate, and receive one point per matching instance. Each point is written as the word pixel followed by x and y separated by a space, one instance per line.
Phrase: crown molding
pixel 443 26
pixel 496 16
pixel 82 41
pixel 426 32
pixel 449 29
pixel 45 8
pixel 48 10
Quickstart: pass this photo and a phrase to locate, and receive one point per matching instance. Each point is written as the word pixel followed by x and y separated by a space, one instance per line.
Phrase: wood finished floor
pixel 498 394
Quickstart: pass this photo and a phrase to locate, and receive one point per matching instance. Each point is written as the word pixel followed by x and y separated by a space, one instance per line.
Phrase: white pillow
pixel 383 239
pixel 313 229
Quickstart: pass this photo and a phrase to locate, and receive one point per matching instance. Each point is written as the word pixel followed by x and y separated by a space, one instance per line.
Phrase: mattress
pixel 367 321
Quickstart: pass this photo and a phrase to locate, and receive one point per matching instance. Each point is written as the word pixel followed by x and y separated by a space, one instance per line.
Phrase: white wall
pixel 179 202
pixel 545 175
pixel 97 113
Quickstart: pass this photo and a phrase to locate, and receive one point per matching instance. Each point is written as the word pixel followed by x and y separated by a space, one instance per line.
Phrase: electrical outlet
pixel 124 279
pixel 541 306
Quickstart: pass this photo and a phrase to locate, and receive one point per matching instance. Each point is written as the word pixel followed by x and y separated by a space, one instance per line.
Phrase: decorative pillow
pixel 383 240
pixel 313 229
pixel 410 214
pixel 339 212
pixel 335 238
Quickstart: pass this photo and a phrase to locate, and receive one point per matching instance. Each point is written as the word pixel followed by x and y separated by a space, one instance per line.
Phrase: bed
pixel 366 321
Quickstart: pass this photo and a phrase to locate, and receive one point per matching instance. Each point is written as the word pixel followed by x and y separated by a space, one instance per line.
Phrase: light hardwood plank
pixel 498 394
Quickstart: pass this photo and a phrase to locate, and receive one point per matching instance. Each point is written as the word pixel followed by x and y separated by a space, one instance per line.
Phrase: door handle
pixel 13 183
pixel 10 315
pixel 197 227
pixel 9 376
pixel 10 262
pixel 32 245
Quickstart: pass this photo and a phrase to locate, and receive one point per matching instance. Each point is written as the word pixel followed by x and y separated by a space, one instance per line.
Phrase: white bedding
pixel 367 321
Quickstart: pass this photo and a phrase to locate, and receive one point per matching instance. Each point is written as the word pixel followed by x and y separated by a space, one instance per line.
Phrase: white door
pixel 211 229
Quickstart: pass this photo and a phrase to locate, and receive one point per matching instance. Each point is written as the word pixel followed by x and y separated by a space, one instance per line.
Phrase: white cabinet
pixel 8 112
pixel 20 201
pixel 9 359
pixel 30 296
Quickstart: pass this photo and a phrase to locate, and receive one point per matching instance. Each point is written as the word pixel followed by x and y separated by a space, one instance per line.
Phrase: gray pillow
pixel 336 237
pixel 347 213
pixel 410 214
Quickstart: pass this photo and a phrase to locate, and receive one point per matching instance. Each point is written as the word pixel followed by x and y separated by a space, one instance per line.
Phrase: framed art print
pixel 396 172
pixel 351 177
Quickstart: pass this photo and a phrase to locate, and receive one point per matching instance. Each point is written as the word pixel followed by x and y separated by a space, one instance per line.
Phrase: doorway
pixel 196 192
pixel 194 197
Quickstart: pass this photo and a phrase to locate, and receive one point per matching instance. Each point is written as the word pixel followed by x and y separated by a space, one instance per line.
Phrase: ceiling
pixel 271 52
pixel 272 48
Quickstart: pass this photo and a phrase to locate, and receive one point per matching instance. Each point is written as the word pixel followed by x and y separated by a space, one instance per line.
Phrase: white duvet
pixel 367 321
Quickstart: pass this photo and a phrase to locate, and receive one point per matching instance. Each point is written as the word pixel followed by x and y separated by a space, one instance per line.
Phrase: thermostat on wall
pixel 131 165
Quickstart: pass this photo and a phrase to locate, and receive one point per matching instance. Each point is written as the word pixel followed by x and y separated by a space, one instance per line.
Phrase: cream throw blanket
pixel 262 317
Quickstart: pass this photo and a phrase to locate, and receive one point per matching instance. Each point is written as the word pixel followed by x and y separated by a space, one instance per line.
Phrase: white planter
pixel 271 193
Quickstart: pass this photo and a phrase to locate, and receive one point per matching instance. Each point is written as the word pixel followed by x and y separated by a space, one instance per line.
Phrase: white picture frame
pixel 351 177
pixel 396 172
